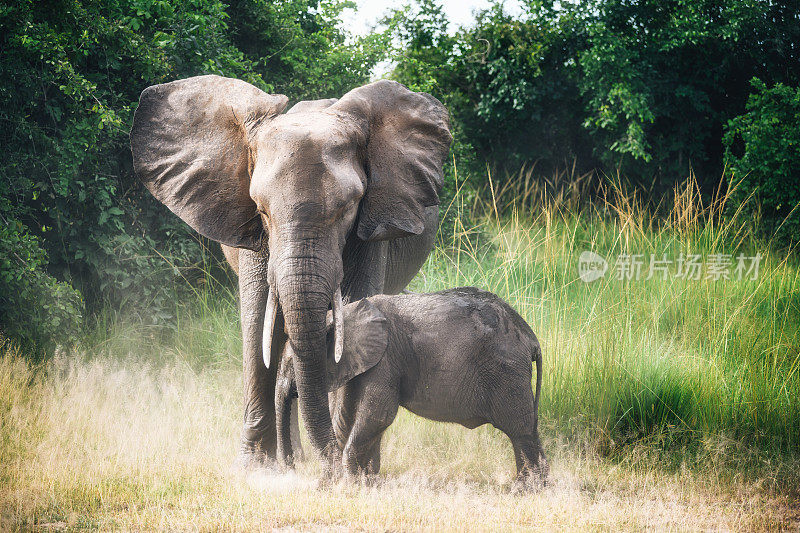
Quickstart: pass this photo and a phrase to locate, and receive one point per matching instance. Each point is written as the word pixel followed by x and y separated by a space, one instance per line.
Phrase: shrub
pixel 36 311
pixel 642 89
pixel 763 151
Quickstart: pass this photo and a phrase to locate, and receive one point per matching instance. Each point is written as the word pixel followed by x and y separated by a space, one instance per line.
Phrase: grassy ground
pixel 668 404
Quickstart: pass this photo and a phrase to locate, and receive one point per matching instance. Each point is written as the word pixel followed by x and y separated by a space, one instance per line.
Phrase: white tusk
pixel 269 325
pixel 338 325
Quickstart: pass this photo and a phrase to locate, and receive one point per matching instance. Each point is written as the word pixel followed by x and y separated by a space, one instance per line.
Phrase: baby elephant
pixel 460 355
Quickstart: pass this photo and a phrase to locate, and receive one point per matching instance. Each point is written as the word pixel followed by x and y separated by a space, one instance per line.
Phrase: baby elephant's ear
pixel 365 338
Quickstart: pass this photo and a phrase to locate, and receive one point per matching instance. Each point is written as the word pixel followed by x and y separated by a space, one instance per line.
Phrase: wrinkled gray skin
pixel 336 194
pixel 460 355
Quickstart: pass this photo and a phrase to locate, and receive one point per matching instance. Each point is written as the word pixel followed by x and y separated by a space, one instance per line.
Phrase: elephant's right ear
pixel 365 339
pixel 192 147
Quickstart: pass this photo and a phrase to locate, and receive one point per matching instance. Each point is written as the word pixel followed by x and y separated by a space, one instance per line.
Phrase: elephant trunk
pixel 307 288
pixel 272 311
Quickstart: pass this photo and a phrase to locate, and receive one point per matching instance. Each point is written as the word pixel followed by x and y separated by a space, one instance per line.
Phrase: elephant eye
pixel 349 204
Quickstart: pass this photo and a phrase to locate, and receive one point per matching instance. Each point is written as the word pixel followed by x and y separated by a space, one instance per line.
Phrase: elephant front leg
pixel 259 436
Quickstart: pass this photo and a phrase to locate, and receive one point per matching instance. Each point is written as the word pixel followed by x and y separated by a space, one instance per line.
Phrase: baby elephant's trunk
pixel 285 391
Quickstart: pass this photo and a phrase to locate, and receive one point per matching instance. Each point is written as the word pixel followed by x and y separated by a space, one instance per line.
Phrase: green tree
pixel 298 47
pixel 663 78
pixel 425 50
pixel 643 87
pixel 36 310
pixel 511 83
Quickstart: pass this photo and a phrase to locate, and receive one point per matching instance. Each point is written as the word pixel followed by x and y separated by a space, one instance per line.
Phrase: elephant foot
pixel 532 479
pixel 248 461
pixel 361 479
pixel 333 468
pixel 527 485
pixel 253 457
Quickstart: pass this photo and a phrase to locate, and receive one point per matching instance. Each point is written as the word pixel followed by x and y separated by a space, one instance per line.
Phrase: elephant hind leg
pixel 513 412
pixel 532 468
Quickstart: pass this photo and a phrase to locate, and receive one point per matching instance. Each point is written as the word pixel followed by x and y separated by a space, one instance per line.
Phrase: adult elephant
pixel 335 201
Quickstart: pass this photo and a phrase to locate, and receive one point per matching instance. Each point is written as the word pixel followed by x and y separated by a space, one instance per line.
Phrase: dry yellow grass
pixel 111 443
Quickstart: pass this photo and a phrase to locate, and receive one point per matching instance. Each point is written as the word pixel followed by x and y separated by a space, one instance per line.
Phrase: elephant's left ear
pixel 365 339
pixel 408 138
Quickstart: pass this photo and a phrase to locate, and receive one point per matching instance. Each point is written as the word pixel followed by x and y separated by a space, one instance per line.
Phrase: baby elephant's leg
pixel 343 412
pixel 377 408
pixel 514 415
pixel 532 466
pixel 374 462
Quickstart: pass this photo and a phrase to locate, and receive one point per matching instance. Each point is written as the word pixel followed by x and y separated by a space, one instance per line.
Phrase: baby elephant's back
pixel 468 346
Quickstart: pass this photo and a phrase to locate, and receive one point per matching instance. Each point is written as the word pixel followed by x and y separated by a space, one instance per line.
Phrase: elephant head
pixel 219 153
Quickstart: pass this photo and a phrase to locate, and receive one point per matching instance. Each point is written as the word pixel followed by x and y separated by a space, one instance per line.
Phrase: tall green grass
pixel 677 358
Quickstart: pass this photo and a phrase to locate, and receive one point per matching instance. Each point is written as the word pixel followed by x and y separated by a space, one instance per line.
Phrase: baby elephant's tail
pixel 536 357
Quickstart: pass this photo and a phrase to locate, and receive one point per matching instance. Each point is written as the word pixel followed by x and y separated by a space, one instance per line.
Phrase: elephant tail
pixel 536 357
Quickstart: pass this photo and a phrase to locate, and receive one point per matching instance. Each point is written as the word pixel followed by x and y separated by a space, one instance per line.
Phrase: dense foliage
pixel 36 310
pixel 644 87
pixel 764 149
pixel 511 84
pixel 640 88
pixel 663 78
pixel 70 77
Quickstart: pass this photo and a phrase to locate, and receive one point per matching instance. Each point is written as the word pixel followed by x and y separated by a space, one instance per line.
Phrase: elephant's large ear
pixel 191 144
pixel 408 137
pixel 365 339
